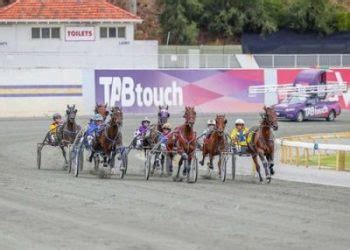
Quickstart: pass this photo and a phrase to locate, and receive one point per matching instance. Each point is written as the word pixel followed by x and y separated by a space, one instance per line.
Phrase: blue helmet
pixel 97 117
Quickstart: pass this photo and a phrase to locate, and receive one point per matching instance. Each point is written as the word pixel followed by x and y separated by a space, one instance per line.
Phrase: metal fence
pixel 167 61
pixel 301 61
pixel 263 61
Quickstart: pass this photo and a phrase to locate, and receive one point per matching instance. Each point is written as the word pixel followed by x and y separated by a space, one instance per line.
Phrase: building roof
pixel 65 11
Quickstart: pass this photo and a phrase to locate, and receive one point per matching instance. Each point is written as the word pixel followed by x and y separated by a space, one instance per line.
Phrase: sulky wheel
pixel 233 159
pixel 193 171
pixel 38 154
pixel 123 164
pixel 148 165
pixel 223 167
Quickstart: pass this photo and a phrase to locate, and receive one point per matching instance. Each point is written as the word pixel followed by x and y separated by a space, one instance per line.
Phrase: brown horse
pixel 183 141
pixel 102 110
pixel 216 143
pixel 110 136
pixel 262 143
pixel 68 131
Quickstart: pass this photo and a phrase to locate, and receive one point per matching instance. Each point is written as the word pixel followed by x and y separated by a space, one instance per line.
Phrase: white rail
pixel 316 146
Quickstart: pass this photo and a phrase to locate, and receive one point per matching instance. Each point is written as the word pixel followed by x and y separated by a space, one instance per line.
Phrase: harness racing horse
pixel 262 143
pixel 152 136
pixel 215 143
pixel 183 140
pixel 110 136
pixel 68 131
pixel 163 116
pixel 102 110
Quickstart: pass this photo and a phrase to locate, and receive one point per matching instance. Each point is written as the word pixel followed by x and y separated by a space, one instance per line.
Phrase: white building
pixel 50 49
pixel 71 33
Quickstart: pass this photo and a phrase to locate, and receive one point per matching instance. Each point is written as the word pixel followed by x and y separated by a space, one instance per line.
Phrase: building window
pixel 35 33
pixel 103 32
pixel 112 32
pixel 45 33
pixel 55 33
pixel 121 32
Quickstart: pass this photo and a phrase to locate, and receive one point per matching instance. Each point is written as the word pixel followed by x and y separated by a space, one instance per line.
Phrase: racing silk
pixel 163 138
pixel 141 131
pixel 240 136
pixel 92 128
pixel 53 128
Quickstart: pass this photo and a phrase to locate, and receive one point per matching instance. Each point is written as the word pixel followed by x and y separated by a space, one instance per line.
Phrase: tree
pixel 318 16
pixel 178 17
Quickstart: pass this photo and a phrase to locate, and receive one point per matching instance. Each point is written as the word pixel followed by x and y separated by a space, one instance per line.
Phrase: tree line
pixel 189 21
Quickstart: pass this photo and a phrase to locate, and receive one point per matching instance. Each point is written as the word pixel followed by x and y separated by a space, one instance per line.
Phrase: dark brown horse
pixel 152 136
pixel 262 144
pixel 110 136
pixel 216 143
pixel 183 141
pixel 68 131
pixel 163 116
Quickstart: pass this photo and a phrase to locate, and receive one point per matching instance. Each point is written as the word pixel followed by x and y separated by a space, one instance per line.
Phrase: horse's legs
pixel 257 167
pixel 211 157
pixel 105 161
pixel 219 165
pixel 203 157
pixel 271 163
pixel 265 164
pixel 64 155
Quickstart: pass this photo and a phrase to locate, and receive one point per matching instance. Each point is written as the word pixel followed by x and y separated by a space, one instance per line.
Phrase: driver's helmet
pixel 56 116
pixel 211 122
pixel 146 120
pixel 166 126
pixel 239 122
pixel 97 117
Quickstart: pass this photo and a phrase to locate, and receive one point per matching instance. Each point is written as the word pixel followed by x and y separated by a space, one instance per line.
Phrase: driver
pixel 140 133
pixel 57 121
pixel 239 136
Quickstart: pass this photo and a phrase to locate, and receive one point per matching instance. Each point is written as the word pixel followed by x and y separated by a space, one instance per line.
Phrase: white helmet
pixel 146 120
pixel 239 121
pixel 211 122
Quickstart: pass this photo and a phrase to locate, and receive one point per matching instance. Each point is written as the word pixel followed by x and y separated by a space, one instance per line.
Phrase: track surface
pixel 48 209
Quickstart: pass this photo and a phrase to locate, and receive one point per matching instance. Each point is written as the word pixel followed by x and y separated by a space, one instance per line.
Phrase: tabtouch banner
pixel 208 90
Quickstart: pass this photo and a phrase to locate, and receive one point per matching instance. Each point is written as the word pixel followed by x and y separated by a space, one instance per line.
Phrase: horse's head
pixel 163 114
pixel 221 122
pixel 101 109
pixel 190 116
pixel 270 117
pixel 116 116
pixel 71 113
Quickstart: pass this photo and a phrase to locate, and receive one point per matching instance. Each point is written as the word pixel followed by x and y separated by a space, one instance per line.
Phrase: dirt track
pixel 48 209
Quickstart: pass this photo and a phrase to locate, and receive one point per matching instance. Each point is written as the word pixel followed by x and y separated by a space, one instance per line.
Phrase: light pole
pixel 133 6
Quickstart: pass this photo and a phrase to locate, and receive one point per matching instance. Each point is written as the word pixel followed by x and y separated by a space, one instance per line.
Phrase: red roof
pixel 61 10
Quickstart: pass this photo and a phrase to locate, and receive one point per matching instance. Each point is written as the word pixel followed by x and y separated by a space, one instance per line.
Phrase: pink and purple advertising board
pixel 209 91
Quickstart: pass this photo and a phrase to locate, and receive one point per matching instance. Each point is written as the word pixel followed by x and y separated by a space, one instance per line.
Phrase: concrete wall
pixel 42 92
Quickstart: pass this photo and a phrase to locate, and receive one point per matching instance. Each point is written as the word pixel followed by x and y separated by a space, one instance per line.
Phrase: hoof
pixel 177 179
pixel 272 171
pixel 201 162
pixel 268 179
